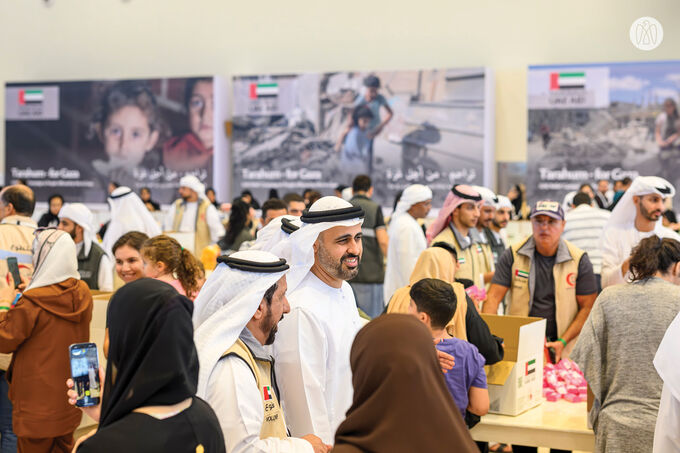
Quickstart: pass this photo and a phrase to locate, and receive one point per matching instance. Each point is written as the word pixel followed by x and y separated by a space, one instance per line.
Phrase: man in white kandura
pixel 406 237
pixel 94 265
pixel 312 351
pixel 194 213
pixel 636 216
pixel 235 316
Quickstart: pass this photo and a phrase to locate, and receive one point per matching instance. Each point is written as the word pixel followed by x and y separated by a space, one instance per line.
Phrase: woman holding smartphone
pixel 149 398
pixel 52 313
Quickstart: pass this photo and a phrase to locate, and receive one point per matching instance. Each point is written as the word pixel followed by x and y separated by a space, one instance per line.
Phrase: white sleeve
pixel 105 277
pixel 169 218
pixel 611 260
pixel 212 218
pixel 409 251
pixel 667 432
pixel 235 398
pixel 301 367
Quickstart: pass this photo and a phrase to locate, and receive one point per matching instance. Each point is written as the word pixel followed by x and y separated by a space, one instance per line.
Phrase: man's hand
pixel 317 444
pixel 94 412
pixel 558 347
pixel 446 361
pixel 625 266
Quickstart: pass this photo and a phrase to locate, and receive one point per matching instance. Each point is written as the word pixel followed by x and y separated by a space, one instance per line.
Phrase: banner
pixel 601 121
pixel 298 131
pixel 74 138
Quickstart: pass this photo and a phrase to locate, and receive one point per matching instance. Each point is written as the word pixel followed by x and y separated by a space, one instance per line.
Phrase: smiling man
pixel 548 278
pixel 636 216
pixel 314 340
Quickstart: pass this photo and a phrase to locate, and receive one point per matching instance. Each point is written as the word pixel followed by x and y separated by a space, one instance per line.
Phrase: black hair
pixel 626 181
pixel 292 196
pixel 435 298
pixel 362 183
pixel 272 204
pixel 585 184
pixel 361 111
pixel 189 89
pixel 372 81
pixel 670 216
pixel 340 187
pixel 653 255
pixel 446 246
pixel 53 196
pixel 269 294
pixel 237 221
pixel 209 189
pixel 397 197
pixel 273 193
pixel 581 198
pixel 21 198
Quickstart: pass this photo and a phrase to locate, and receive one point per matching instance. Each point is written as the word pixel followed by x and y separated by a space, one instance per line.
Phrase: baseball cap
pixel 549 208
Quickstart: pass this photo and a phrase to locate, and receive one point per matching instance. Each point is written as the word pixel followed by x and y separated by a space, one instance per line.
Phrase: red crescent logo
pixel 571 279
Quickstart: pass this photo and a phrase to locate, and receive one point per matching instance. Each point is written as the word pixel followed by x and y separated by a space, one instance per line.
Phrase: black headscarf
pixel 152 358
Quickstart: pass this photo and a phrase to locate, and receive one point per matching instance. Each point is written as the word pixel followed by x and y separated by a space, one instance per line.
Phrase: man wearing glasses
pixel 548 278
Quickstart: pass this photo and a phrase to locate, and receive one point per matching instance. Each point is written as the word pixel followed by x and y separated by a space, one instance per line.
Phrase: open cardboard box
pixel 516 382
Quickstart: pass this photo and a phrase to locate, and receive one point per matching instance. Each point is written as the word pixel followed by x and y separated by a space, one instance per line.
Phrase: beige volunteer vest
pixel 474 260
pixel 202 231
pixel 565 275
pixel 274 424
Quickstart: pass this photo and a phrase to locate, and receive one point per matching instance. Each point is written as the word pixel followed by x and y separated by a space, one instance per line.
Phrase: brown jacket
pixel 39 330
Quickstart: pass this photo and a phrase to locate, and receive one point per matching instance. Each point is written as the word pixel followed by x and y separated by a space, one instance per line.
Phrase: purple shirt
pixel 467 372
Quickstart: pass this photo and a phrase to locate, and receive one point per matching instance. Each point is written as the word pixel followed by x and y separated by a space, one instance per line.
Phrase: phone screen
pixel 85 373
pixel 13 267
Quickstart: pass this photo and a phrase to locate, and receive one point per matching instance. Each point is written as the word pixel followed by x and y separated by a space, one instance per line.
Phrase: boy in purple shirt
pixel 434 303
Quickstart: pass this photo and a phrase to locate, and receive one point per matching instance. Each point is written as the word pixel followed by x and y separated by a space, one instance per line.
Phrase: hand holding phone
pixel 13 266
pixel 85 375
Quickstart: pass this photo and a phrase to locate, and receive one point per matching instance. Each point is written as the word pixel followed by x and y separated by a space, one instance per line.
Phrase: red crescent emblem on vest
pixel 571 279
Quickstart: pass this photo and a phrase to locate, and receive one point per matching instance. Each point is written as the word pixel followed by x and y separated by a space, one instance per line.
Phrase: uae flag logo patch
pixel 267 393
pixel 522 274
pixel 567 80
pixel 27 97
pixel 264 90
pixel 530 367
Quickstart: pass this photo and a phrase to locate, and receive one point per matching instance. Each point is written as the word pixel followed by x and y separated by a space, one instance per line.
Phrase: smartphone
pixel 85 373
pixel 13 267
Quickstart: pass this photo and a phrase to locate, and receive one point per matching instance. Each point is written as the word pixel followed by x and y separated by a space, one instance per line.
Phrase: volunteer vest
pixel 495 245
pixel 273 424
pixel 202 232
pixel 371 269
pixel 474 260
pixel 565 275
pixel 88 266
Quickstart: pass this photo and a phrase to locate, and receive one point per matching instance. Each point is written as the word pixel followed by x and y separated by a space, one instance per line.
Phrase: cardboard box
pixel 516 383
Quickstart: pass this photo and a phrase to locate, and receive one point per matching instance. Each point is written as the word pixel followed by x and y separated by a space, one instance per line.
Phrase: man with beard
pixel 637 215
pixel 193 213
pixel 312 352
pixel 495 233
pixel 487 212
pixel 94 265
pixel 235 316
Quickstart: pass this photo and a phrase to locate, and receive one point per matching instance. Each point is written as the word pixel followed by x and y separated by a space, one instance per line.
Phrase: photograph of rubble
pixel 292 132
pixel 602 121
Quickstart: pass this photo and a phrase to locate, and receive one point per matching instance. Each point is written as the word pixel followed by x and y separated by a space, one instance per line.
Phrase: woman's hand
pixel 94 412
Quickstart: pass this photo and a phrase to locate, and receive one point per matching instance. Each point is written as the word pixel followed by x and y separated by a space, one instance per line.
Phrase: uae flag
pixel 520 273
pixel 31 97
pixel 264 90
pixel 267 392
pixel 567 80
pixel 530 367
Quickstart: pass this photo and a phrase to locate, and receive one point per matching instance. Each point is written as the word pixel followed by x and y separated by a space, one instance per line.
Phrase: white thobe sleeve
pixel 216 228
pixel 611 260
pixel 301 366
pixel 105 277
pixel 667 432
pixel 409 251
pixel 234 396
pixel 169 218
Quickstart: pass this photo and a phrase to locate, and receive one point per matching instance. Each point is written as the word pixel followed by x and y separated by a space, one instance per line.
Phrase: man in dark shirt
pixel 368 284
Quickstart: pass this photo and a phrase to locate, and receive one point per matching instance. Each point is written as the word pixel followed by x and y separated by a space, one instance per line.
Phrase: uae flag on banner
pixel 31 97
pixel 567 80
pixel 530 367
pixel 264 90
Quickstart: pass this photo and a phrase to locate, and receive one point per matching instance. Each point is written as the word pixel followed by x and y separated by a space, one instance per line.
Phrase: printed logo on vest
pixel 267 392
pixel 522 274
pixel 479 249
pixel 571 279
pixel 461 260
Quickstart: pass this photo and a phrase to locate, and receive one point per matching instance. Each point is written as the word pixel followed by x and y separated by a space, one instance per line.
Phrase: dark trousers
pixel 8 442
pixel 61 444
pixel 520 449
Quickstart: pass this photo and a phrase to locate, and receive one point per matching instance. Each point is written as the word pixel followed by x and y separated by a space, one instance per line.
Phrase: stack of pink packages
pixel 564 380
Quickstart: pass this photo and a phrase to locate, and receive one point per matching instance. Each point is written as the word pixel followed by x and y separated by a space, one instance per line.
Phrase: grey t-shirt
pixel 543 303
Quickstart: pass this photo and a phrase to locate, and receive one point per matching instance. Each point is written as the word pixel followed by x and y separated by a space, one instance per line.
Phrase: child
pixel 433 302
pixel 166 260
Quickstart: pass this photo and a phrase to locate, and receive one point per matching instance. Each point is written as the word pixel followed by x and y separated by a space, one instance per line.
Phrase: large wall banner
pixel 317 131
pixel 601 121
pixel 74 138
